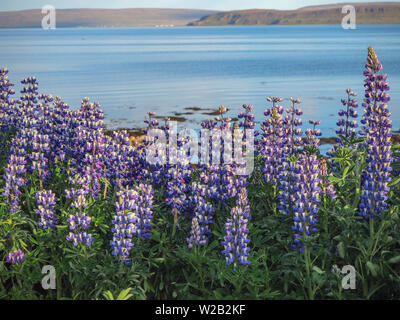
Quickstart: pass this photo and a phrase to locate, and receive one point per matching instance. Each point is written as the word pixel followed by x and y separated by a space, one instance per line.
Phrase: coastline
pixel 137 136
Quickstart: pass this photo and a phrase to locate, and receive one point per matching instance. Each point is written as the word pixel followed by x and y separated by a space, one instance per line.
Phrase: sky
pixel 225 5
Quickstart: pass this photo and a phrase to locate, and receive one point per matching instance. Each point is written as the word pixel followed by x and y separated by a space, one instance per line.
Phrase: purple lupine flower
pixel 277 145
pixel 79 222
pixel 88 144
pixel 62 131
pixel 6 103
pixel 5 86
pixel 120 159
pixel 346 126
pixel 236 249
pixel 195 238
pixel 126 223
pixel 40 149
pixel 291 144
pixel 293 126
pixel 312 142
pixel 202 210
pixel 326 185
pixel 26 113
pixel 17 256
pixel 46 200
pixel 149 172
pixel 274 141
pixel 144 208
pixel 14 179
pixel 305 198
pixel 249 147
pixel 217 173
pixel 247 117
pixel 377 131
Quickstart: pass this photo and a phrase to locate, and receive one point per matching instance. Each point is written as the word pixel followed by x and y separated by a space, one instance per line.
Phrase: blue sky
pixel 6 5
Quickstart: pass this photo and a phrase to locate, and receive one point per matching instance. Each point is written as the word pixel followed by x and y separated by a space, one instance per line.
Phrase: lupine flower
pixel 249 147
pixel 17 256
pixel 6 103
pixel 46 200
pixel 202 210
pixel 280 138
pixel 125 223
pixel 377 131
pixel 88 144
pixel 306 198
pixel 41 148
pixel 218 173
pixel 62 131
pixel 236 240
pixel 293 126
pixel 312 142
pixel 195 235
pixel 346 126
pixel 79 222
pixel 274 141
pixel 326 185
pixel 120 159
pixel 144 208
pixel 14 180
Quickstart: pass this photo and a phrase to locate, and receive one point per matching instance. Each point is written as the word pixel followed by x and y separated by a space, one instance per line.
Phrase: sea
pixel 187 72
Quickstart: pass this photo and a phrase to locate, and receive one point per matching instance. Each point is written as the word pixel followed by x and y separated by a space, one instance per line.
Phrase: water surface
pixel 168 70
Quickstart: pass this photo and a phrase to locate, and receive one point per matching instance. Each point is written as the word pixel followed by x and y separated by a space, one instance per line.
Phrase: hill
pixel 102 17
pixel 367 13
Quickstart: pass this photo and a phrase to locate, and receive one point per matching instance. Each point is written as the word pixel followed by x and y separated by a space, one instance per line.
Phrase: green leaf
pixel 373 268
pixel 125 294
pixel 108 295
pixel 341 250
pixel 394 181
pixel 318 270
pixel 394 259
pixel 396 147
pixel 334 179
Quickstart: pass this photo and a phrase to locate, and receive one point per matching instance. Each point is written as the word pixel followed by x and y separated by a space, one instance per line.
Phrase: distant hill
pixel 102 17
pixel 367 13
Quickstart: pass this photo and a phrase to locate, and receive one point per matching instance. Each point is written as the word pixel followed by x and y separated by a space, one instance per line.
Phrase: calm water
pixel 167 70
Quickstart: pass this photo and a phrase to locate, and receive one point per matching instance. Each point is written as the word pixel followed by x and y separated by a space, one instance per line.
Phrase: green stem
pixel 358 185
pixel 175 222
pixel 59 295
pixel 28 201
pixel 308 266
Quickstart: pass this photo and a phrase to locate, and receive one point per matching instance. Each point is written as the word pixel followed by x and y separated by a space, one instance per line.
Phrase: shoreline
pixel 136 136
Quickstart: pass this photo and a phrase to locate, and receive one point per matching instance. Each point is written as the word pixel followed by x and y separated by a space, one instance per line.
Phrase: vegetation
pixel 115 225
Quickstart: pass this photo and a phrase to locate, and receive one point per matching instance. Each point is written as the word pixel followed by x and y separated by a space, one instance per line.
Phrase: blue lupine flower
pixel 195 238
pixel 133 217
pixel 46 200
pixel 346 126
pixel 79 222
pixel 377 131
pixel 236 249
pixel 305 198
pixel 17 256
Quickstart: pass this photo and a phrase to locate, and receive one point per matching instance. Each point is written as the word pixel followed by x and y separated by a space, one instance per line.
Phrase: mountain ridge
pixel 96 18
pixel 366 13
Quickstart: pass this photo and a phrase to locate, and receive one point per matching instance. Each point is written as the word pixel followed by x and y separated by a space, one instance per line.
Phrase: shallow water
pixel 168 70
